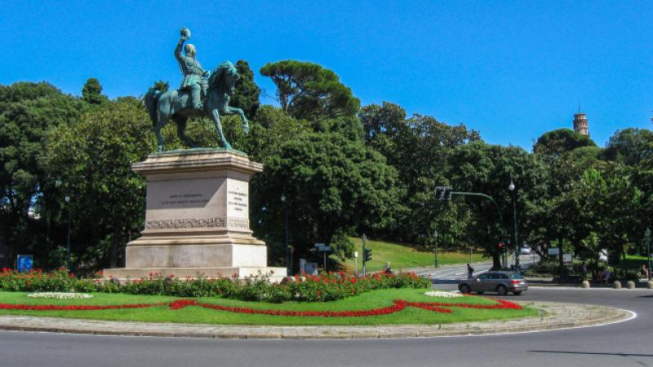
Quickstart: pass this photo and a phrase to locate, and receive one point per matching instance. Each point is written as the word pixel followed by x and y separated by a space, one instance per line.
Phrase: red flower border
pixel 398 305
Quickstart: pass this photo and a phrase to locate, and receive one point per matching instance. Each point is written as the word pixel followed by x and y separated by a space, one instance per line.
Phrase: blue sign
pixel 25 263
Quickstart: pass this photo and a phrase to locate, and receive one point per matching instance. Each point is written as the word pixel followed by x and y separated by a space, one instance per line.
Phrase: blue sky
pixel 510 69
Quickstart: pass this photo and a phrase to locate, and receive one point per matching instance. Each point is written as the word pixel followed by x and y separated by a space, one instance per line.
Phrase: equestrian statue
pixel 201 94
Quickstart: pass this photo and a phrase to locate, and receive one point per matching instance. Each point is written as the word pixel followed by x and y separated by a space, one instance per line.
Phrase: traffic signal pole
pixel 445 193
pixel 364 238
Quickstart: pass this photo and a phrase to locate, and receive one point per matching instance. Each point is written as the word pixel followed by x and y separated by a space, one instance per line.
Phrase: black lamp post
pixel 435 247
pixel 511 187
pixel 647 238
pixel 70 215
pixel 285 216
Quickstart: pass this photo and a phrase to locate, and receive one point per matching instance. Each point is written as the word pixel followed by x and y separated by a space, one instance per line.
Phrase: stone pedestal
pixel 197 218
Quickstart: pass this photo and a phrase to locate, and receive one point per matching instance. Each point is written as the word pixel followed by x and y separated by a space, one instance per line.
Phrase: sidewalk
pixel 548 282
pixel 552 316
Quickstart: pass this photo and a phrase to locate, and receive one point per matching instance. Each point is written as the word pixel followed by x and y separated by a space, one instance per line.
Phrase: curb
pixel 553 316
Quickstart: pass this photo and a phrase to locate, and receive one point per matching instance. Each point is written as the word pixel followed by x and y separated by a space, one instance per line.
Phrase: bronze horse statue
pixel 176 105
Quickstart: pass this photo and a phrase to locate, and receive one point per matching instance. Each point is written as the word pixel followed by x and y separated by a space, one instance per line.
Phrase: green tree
pixel 483 168
pixel 28 202
pixel 309 91
pixel 333 185
pixel 418 147
pixel 92 92
pixel 93 160
pixel 556 216
pixel 161 85
pixel 610 207
pixel 629 146
pixel 556 142
pixel 247 92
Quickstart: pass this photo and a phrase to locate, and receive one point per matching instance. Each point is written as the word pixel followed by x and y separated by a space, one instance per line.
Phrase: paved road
pixel 624 344
pixel 450 274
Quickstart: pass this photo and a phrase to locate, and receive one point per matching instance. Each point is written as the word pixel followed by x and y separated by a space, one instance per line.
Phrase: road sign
pixel 567 258
pixel 322 247
pixel 25 263
pixel 554 251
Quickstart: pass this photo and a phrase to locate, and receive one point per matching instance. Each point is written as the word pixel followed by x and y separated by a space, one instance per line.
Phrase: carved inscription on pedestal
pixel 184 199
pixel 237 199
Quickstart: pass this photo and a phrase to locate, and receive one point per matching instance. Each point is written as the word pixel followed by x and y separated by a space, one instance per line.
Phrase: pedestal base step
pixel 277 273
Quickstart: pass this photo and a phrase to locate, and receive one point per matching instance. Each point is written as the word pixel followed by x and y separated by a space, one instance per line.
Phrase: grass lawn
pixel 194 314
pixel 633 262
pixel 403 257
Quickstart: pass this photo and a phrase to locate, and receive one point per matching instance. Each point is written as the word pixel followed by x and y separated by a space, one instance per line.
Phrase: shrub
pixel 323 288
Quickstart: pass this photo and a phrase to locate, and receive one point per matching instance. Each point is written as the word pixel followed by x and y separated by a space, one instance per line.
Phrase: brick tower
pixel 580 124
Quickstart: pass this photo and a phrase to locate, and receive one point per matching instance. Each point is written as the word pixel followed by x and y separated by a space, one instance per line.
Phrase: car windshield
pixel 516 276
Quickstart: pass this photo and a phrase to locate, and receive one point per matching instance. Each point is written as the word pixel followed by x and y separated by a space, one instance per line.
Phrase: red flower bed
pixel 398 305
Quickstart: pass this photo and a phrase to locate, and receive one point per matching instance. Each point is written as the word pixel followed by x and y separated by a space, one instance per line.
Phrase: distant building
pixel 580 124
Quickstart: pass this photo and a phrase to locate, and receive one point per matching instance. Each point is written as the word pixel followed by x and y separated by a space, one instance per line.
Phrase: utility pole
pixel 70 216
pixel 647 238
pixel 445 193
pixel 364 238
pixel 511 187
pixel 285 225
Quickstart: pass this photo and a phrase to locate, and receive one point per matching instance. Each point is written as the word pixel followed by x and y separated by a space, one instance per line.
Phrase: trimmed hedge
pixel 323 288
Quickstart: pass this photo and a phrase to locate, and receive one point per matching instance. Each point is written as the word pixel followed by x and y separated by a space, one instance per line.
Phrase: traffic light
pixel 367 254
pixel 500 246
pixel 439 192
pixel 443 192
pixel 446 195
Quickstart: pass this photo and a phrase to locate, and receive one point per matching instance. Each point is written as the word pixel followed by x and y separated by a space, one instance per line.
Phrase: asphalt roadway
pixel 628 343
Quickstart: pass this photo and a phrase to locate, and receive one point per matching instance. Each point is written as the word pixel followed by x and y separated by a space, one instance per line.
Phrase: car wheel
pixel 465 289
pixel 516 293
pixel 502 290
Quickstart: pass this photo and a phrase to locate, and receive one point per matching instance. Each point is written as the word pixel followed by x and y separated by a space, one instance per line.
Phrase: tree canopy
pixel 309 91
pixel 28 111
pixel 560 141
pixel 92 92
pixel 342 170
pixel 247 92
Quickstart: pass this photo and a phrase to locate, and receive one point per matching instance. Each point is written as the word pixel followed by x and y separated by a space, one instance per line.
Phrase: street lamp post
pixel 647 238
pixel 67 198
pixel 364 238
pixel 285 225
pixel 471 253
pixel 435 247
pixel 511 187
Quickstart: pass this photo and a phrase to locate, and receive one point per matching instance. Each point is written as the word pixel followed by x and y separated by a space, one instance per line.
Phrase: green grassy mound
pixel 403 257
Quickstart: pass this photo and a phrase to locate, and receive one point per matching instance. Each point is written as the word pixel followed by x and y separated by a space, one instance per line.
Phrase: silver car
pixel 494 281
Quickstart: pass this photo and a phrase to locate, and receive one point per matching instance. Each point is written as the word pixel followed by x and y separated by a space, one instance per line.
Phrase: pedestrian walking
pixel 470 271
pixel 387 269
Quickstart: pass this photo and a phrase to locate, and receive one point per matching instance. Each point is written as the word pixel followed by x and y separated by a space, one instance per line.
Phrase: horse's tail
pixel 151 99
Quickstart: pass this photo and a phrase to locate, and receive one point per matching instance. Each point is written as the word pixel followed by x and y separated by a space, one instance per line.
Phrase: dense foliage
pixel 343 170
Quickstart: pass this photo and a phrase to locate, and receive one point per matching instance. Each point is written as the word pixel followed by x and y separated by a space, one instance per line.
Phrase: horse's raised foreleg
pixel 181 131
pixel 237 111
pixel 215 116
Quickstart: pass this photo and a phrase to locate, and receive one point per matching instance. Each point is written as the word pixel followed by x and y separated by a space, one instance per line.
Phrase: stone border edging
pixel 553 316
